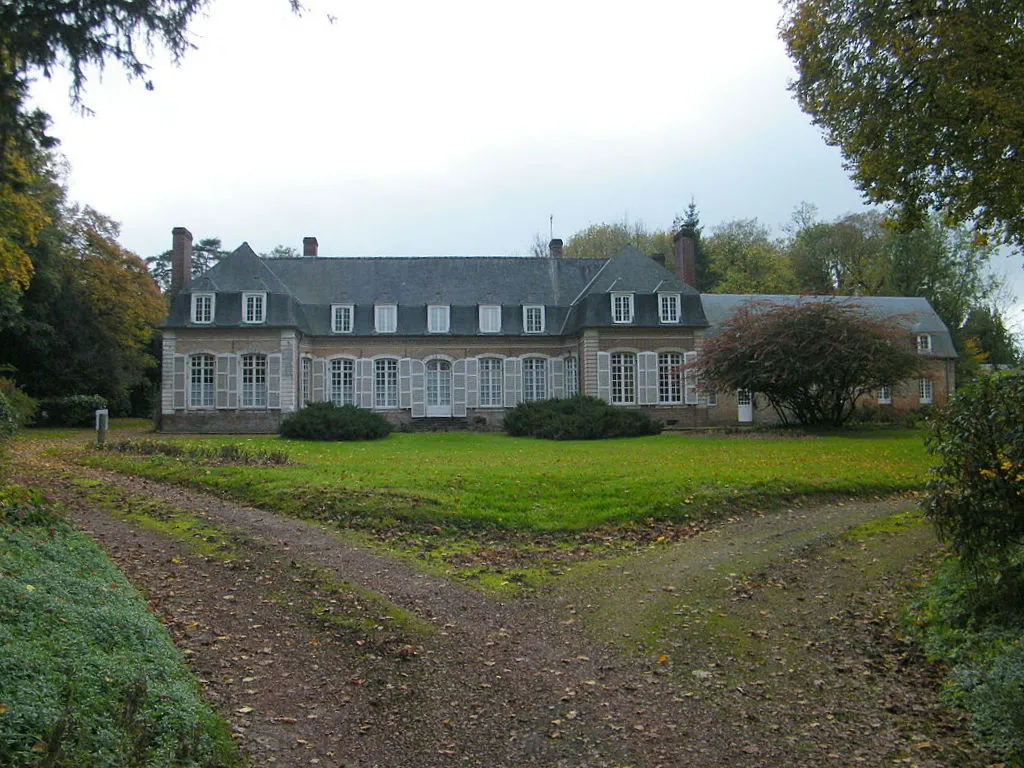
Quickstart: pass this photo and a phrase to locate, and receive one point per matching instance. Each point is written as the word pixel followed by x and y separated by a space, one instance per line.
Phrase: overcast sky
pixel 452 127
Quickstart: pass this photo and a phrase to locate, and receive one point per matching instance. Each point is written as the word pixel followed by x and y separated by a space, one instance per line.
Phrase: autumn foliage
pixel 811 360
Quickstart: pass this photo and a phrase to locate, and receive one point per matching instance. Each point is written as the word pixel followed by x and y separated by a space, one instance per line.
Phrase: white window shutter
pixel 232 381
pixel 221 381
pixel 364 382
pixel 604 376
pixel 647 378
pixel 179 381
pixel 472 382
pixel 690 379
pixel 319 377
pixel 459 388
pixel 417 374
pixel 274 381
pixel 513 381
pixel 556 377
pixel 405 383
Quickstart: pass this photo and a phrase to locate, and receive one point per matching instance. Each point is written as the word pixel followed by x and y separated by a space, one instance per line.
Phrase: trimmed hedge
pixel 577 418
pixel 70 411
pixel 326 421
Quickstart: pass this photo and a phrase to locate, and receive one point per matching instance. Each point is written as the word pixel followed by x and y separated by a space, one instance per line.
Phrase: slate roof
pixel 913 311
pixel 302 290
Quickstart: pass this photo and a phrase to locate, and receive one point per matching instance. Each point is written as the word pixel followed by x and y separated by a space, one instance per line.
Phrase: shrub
pixel 25 407
pixel 326 421
pixel 976 495
pixel 229 453
pixel 70 411
pixel 577 418
pixel 8 419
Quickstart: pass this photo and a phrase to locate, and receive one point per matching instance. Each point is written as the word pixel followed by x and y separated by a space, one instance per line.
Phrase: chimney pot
pixel 310 247
pixel 555 248
pixel 181 259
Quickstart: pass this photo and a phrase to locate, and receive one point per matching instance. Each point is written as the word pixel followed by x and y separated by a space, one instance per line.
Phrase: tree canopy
pixel 811 359
pixel 925 99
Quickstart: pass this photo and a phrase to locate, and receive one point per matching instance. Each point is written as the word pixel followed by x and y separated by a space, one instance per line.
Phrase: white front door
pixel 439 388
pixel 744 406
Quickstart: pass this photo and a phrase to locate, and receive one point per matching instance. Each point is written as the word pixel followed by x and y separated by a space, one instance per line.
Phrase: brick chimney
pixel 181 259
pixel 555 248
pixel 310 247
pixel 684 243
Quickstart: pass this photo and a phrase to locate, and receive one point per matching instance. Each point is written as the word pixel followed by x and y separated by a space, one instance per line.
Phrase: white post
pixel 102 422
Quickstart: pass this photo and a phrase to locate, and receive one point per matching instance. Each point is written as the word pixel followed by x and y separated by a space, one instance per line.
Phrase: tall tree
pixel 925 98
pixel 606 241
pixel 690 219
pixel 205 253
pixel 841 257
pixel 985 327
pixel 743 257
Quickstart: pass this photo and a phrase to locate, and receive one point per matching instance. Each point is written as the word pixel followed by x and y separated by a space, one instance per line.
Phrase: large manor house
pixel 451 342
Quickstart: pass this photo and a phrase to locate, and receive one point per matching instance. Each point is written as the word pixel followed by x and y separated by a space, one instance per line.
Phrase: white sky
pixel 452 127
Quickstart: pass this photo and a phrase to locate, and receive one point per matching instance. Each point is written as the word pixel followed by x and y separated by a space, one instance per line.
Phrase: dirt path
pixel 293 636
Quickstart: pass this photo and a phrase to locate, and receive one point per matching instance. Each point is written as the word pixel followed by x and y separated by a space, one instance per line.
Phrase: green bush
pixel 25 407
pixel 975 496
pixel 88 676
pixel 8 419
pixel 577 418
pixel 326 421
pixel 70 411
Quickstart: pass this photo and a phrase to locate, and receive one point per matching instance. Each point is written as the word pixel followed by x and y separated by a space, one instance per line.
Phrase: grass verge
pixel 87 675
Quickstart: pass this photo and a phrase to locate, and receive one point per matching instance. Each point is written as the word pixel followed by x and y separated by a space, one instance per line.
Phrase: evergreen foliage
pixel 327 421
pixel 577 418
pixel 70 411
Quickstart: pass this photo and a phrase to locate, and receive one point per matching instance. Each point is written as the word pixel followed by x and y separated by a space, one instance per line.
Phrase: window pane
pixel 385 383
pixel 490 382
pixel 254 381
pixel 572 376
pixel 534 379
pixel 306 396
pixel 342 387
pixel 623 377
pixel 201 379
pixel 670 381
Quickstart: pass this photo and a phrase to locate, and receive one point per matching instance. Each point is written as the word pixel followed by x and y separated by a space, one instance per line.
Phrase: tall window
pixel 572 376
pixel 533 319
pixel 670 378
pixel 490 382
pixel 343 381
pixel 385 383
pixel 535 379
pixel 622 307
pixel 623 378
pixel 201 379
pixel 385 318
pixel 254 307
pixel 254 381
pixel 668 307
pixel 306 382
pixel 926 391
pixel 342 318
pixel 885 396
pixel 438 318
pixel 490 318
pixel 202 307
pixel 924 342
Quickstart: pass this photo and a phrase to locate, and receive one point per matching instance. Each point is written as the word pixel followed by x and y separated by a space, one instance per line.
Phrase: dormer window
pixel 254 307
pixel 385 318
pixel 669 307
pixel 924 343
pixel 533 319
pixel 342 318
pixel 438 318
pixel 202 307
pixel 622 307
pixel 490 318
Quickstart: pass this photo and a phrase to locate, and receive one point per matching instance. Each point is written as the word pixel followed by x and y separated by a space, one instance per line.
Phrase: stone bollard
pixel 102 422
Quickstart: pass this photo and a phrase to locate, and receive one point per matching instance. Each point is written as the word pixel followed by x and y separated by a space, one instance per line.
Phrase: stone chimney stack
pixel 310 247
pixel 181 259
pixel 555 248
pixel 684 243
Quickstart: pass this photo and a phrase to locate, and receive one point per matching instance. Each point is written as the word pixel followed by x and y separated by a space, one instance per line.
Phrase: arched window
pixel 201 380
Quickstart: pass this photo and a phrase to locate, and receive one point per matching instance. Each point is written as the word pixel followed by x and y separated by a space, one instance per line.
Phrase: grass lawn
pixel 489 482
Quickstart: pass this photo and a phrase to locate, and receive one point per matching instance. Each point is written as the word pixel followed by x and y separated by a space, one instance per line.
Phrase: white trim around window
pixel 385 382
pixel 491 381
pixel 438 318
pixel 924 343
pixel 201 381
pixel 885 395
pixel 926 391
pixel 203 307
pixel 342 318
pixel 670 378
pixel 622 308
pixel 572 376
pixel 254 380
pixel 385 318
pixel 254 307
pixel 533 318
pixel 669 308
pixel 535 379
pixel 490 318
pixel 623 368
